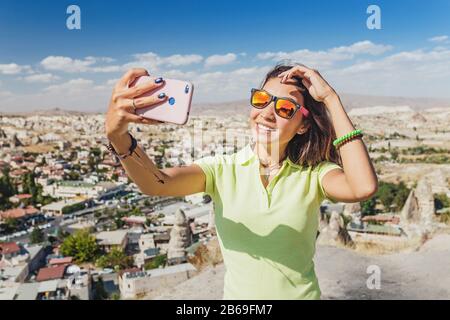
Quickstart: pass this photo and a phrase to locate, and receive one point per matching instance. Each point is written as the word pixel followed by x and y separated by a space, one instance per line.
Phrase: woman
pixel 268 194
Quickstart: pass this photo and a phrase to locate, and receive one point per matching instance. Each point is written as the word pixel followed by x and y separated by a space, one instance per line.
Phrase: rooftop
pixel 70 183
pixel 51 273
pixel 61 204
pixel 111 237
pixel 56 261
pixel 18 212
pixel 160 271
pixel 9 248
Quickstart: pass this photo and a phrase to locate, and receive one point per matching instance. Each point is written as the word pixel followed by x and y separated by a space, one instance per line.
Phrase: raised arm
pixel 140 168
pixel 358 181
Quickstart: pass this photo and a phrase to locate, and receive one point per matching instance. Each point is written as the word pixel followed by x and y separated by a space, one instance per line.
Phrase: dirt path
pixel 342 273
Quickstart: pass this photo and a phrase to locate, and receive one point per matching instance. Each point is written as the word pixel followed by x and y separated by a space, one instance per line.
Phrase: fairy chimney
pixel 180 239
pixel 419 206
pixel 335 232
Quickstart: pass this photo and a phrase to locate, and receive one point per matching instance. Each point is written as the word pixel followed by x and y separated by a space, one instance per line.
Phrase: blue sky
pixel 224 47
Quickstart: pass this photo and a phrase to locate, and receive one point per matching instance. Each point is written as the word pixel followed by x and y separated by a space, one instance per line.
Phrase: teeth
pixel 263 127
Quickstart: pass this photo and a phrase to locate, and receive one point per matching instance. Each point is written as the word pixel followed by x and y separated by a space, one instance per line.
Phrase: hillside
pixel 342 275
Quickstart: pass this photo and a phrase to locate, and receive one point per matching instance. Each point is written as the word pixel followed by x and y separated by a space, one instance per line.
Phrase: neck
pixel 270 154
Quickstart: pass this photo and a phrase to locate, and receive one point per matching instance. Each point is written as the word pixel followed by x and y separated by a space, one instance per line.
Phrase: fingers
pixel 150 121
pixel 146 101
pixel 146 87
pixel 300 70
pixel 306 83
pixel 130 117
pixel 131 75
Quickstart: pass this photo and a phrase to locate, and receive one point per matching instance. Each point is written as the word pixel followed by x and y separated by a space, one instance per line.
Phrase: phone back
pixel 177 106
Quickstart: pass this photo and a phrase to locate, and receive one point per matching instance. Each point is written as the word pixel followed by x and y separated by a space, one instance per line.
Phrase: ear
pixel 303 129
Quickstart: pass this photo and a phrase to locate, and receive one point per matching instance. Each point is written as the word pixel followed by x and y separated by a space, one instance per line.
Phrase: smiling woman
pixel 267 195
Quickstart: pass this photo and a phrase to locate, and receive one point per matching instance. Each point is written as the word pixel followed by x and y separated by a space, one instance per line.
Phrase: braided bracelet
pixel 345 138
pixel 133 146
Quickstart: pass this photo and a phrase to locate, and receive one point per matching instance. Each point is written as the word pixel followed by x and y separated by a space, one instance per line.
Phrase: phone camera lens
pixel 186 89
pixel 172 101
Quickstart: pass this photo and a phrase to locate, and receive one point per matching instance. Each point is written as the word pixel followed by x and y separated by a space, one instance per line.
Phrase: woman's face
pixel 279 130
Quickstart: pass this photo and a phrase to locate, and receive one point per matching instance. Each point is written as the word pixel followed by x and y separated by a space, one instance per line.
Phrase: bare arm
pixel 358 180
pixel 140 168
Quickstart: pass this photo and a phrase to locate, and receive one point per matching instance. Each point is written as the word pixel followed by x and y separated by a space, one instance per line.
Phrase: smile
pixel 264 128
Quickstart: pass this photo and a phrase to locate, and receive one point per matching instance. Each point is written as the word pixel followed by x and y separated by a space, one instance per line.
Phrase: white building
pixel 137 283
pixel 56 208
pixel 72 189
pixel 108 240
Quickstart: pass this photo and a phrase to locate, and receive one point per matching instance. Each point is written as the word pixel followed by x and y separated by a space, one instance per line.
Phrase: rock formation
pixel 335 232
pixel 15 142
pixel 353 210
pixel 419 206
pixel 36 140
pixel 180 238
pixel 418 213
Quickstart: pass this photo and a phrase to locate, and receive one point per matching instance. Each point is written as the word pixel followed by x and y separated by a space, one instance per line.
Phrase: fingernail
pixel 162 95
pixel 159 80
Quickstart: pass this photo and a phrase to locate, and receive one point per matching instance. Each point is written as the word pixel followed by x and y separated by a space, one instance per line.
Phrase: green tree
pixel 7 189
pixel 81 246
pixel 37 236
pixel 11 225
pixel 159 260
pixel 368 207
pixel 392 194
pixel 394 154
pixel 61 234
pixel 118 219
pixel 116 258
pixel 115 296
pixel 441 201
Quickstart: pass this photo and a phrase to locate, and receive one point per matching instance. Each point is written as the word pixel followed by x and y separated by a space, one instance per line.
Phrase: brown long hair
pixel 316 144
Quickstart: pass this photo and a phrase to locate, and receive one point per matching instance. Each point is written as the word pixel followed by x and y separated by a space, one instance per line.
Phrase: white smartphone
pixel 177 106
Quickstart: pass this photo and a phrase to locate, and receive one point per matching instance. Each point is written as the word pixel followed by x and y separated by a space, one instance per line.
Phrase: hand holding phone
pixel 177 106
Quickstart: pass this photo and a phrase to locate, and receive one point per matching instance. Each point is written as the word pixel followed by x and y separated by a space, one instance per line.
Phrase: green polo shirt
pixel 267 235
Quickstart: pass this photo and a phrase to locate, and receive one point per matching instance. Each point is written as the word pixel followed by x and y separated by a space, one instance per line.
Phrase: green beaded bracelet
pixel 349 136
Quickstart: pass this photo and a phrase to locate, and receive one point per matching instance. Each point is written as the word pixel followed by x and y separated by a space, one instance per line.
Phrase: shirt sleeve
pixel 324 168
pixel 208 165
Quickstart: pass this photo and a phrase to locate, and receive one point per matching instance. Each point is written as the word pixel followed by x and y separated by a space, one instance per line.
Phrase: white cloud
pixel 326 58
pixel 41 78
pixel 71 86
pixel 218 60
pixel 407 73
pixel 182 60
pixel 226 86
pixel 66 64
pixel 153 61
pixel 13 69
pixel 362 67
pixel 363 47
pixel 4 94
pixel 69 65
pixel 112 82
pixel 439 39
pixel 101 59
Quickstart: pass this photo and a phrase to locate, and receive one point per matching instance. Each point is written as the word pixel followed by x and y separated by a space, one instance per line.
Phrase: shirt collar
pixel 246 156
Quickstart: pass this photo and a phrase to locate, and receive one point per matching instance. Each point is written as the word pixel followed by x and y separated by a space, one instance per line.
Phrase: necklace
pixel 267 170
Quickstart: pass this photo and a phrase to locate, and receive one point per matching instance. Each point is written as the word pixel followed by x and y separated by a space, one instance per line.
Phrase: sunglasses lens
pixel 285 108
pixel 260 99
